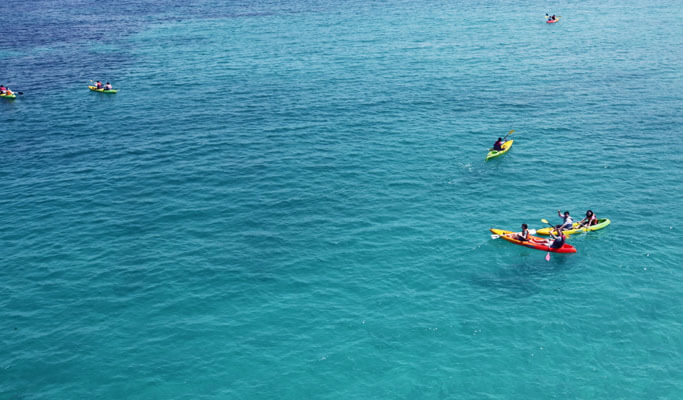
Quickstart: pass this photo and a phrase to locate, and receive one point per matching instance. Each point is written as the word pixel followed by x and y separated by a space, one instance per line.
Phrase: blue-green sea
pixel 289 199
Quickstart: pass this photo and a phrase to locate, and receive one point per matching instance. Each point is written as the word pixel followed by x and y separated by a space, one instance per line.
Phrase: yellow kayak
pixel 95 89
pixel 493 153
pixel 603 222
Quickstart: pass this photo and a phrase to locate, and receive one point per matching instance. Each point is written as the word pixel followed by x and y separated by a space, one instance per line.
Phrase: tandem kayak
pixel 551 21
pixel 8 96
pixel 494 153
pixel 533 242
pixel 602 222
pixel 95 89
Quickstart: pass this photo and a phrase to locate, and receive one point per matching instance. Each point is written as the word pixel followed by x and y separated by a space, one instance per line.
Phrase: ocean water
pixel 289 200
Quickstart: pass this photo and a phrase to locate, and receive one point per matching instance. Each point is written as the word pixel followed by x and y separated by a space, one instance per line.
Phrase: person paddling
pixel 3 89
pixel 498 146
pixel 568 222
pixel 557 241
pixel 108 86
pixel 590 220
pixel 98 85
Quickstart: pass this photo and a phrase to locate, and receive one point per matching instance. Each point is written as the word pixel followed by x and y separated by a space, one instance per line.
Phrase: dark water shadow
pixel 525 276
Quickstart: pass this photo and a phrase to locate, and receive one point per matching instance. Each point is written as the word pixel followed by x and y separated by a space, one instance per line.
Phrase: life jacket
pixel 559 241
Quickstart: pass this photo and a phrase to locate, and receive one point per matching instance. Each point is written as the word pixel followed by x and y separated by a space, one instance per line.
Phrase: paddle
pixel 566 233
pixel 547 256
pixel 531 232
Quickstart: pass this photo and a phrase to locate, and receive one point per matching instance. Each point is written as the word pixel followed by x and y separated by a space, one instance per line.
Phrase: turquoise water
pixel 290 200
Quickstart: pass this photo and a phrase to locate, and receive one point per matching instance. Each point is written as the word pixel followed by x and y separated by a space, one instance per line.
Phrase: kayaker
pixel 498 146
pixel 107 86
pixel 557 241
pixel 553 18
pixel 98 85
pixel 523 236
pixel 590 219
pixel 3 89
pixel 568 222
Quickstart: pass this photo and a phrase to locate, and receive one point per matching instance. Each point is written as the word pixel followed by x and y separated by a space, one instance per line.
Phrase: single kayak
pixel 8 96
pixel 95 89
pixel 495 153
pixel 602 222
pixel 534 242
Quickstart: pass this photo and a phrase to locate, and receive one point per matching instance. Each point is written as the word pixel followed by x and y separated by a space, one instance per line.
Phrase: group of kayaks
pixel 535 242
pixel 13 95
pixel 538 243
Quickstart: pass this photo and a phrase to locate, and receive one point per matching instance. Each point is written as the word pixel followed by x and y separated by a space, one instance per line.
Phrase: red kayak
pixel 534 242
pixel 552 21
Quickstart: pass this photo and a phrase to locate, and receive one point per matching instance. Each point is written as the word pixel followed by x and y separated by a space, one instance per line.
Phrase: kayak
pixel 8 96
pixel 494 153
pixel 551 21
pixel 602 222
pixel 94 89
pixel 534 242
